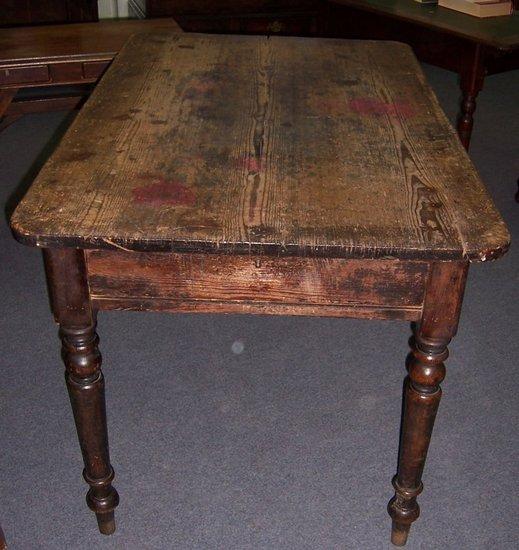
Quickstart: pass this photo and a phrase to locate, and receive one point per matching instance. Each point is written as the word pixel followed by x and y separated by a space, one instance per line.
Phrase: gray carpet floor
pixel 290 444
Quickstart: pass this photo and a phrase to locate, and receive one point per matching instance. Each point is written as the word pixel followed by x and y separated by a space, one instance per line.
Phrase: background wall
pixel 121 8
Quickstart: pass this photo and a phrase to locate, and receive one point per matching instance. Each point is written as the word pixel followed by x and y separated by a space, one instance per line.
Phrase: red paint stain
pixel 374 106
pixel 161 191
pixel 250 163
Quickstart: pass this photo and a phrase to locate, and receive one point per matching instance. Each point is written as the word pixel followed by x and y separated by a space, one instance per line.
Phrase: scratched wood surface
pixel 238 144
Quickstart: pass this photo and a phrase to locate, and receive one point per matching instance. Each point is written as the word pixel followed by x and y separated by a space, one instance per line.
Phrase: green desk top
pixel 499 32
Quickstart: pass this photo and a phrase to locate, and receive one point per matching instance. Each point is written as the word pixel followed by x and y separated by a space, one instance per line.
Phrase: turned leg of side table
pixel 422 390
pixel 66 278
pixel 6 96
pixel 472 75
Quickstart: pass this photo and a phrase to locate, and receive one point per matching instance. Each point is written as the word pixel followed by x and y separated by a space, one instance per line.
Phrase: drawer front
pixel 174 8
pixel 282 25
pixel 70 72
pixel 256 280
pixel 93 70
pixel 24 75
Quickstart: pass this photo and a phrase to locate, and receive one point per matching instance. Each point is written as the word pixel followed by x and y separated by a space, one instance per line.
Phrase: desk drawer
pixel 255 284
pixel 281 24
pixel 68 72
pixel 92 70
pixel 24 75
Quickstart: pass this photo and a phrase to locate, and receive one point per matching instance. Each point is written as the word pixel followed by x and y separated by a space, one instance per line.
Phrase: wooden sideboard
pixel 54 56
pixel 290 17
pixel 29 12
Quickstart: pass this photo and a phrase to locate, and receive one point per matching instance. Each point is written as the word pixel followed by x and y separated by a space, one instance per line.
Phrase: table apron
pixel 220 283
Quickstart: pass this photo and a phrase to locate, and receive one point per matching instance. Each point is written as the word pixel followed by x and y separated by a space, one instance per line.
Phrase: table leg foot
pixel 106 523
pixel 102 499
pixel 399 533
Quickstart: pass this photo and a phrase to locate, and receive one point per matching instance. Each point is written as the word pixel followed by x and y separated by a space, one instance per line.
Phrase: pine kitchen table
pixel 283 176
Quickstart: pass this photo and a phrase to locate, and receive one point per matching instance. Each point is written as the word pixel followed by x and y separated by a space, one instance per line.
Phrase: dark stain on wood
pixel 163 191
pixel 374 106
pixel 200 88
pixel 123 116
pixel 77 156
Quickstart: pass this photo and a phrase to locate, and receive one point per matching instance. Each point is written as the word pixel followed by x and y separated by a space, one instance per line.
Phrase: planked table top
pixel 497 32
pixel 283 146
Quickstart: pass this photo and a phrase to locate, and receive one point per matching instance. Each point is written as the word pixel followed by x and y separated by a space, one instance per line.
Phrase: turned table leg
pixel 66 277
pixel 472 75
pixel 6 96
pixel 422 390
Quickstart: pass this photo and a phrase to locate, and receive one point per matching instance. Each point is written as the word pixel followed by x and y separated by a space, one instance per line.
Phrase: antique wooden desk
pixel 286 176
pixel 471 47
pixel 38 58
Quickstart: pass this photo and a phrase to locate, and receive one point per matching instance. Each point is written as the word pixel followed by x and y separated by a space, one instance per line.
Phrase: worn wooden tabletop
pixel 240 144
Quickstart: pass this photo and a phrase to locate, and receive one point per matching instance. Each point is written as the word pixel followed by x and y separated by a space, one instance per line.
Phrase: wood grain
pixel 217 282
pixel 285 146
